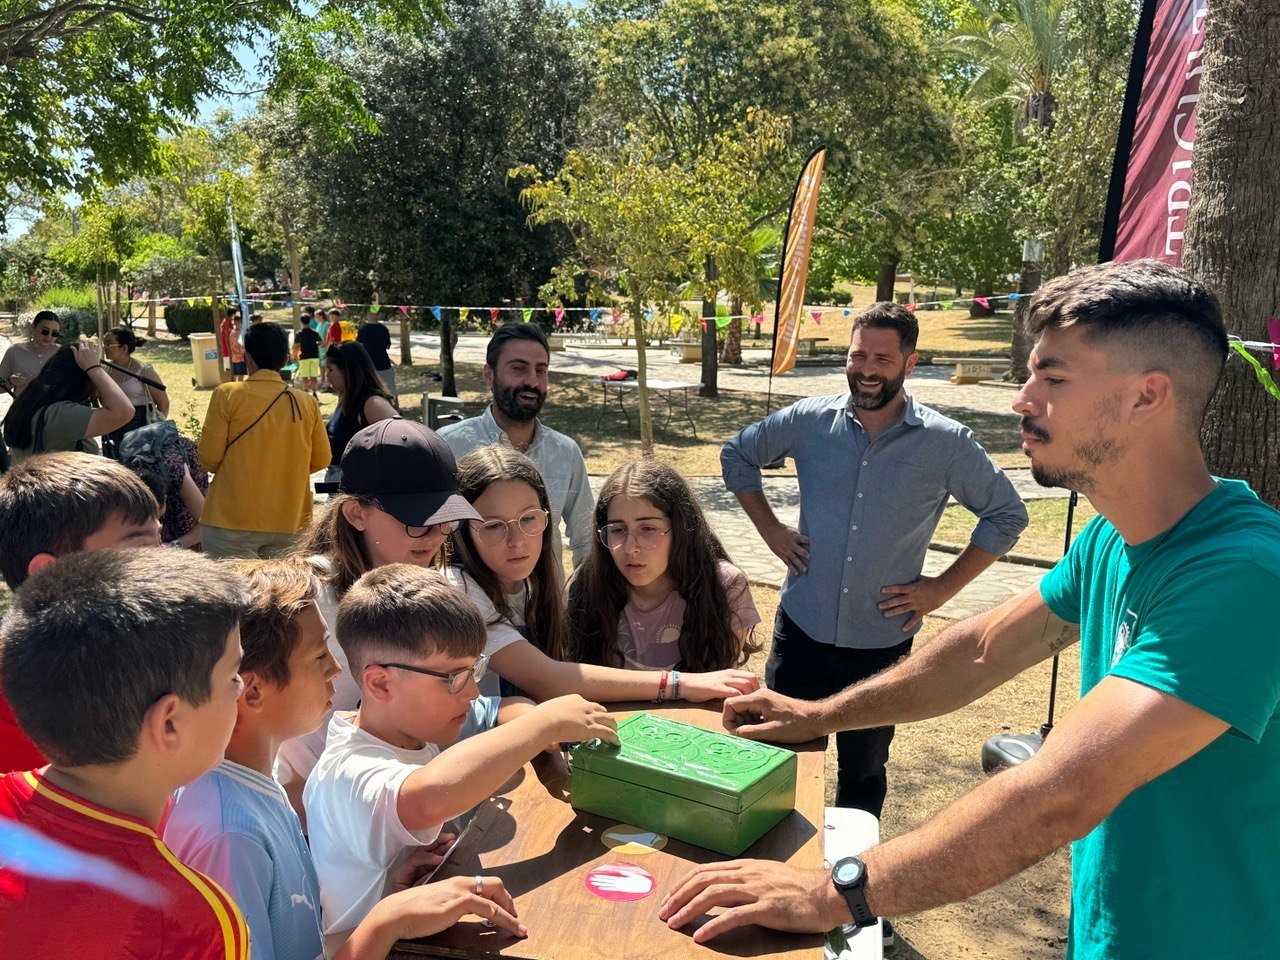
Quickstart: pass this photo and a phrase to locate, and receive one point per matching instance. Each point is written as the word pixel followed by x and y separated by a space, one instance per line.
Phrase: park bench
pixel 808 346
pixel 974 369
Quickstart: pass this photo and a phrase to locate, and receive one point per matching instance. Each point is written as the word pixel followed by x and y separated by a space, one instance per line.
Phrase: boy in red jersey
pixel 122 666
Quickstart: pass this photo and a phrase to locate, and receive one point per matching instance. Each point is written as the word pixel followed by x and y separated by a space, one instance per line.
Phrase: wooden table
pixel 664 390
pixel 542 849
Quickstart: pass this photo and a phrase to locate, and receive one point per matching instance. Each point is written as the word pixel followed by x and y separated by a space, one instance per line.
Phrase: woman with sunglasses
pixel 362 399
pixel 150 404
pixel 397 503
pixel 657 590
pixel 23 361
pixel 504 563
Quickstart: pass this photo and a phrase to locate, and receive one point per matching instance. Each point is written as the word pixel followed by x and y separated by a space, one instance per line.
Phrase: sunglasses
pixel 48 332
pixel 457 680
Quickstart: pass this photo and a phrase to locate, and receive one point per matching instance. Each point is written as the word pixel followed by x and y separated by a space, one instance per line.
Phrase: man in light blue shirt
pixel 876 470
pixel 516 366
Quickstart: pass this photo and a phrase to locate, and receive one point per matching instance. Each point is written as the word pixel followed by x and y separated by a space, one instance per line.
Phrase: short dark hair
pixel 1146 315
pixel 278 592
pixel 93 641
pixel 45 315
pixel 883 315
pixel 268 345
pixel 402 610
pixel 53 503
pixel 514 331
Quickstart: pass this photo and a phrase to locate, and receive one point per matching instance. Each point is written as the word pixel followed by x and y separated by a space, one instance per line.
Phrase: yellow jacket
pixel 262 480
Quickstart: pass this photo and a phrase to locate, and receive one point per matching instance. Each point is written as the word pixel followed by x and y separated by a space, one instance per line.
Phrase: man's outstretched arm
pixel 966 661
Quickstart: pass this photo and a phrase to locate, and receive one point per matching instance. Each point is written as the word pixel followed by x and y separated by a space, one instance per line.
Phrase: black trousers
pixel 801 667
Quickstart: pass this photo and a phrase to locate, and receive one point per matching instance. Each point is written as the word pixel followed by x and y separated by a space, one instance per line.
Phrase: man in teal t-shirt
pixel 1166 774
pixel 1189 864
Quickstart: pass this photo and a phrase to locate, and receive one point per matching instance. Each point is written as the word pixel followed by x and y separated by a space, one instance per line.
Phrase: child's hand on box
pixel 574 719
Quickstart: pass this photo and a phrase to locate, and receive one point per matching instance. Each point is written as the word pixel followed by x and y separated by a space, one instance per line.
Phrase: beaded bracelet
pixel 662 688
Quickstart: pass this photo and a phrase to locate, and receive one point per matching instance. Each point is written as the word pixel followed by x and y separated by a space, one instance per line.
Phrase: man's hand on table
pixel 789 545
pixel 768 715
pixel 762 892
pixel 701 687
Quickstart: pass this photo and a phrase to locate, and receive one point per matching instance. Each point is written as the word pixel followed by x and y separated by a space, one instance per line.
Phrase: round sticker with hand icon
pixel 620 882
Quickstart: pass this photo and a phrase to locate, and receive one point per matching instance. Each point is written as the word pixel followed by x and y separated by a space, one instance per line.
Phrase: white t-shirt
pixel 502 633
pixel 357 839
pixel 299 755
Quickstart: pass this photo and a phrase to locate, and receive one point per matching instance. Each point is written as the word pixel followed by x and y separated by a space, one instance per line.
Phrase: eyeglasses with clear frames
pixel 531 523
pixel 648 536
pixel 457 680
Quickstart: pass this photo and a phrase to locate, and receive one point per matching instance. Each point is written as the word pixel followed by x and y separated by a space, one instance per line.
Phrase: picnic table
pixel 668 391
pixel 542 849
pixel 974 369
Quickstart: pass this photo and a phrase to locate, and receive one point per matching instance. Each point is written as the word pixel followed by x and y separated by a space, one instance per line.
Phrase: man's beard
pixel 1079 475
pixel 874 401
pixel 512 407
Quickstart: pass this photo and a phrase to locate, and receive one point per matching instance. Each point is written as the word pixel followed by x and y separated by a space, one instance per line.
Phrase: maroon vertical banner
pixel 1151 176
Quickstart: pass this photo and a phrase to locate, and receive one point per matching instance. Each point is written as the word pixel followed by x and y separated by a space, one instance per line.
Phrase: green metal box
pixel 705 788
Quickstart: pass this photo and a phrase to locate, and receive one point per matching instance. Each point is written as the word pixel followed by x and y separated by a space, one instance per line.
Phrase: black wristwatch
pixel 850 877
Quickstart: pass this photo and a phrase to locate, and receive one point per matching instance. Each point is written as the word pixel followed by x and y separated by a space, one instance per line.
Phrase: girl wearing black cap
pixel 504 563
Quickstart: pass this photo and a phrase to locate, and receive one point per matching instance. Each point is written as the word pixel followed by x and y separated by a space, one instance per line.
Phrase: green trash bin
pixel 204 358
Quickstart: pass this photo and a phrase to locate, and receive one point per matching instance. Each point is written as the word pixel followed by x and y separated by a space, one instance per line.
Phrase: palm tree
pixel 1017 60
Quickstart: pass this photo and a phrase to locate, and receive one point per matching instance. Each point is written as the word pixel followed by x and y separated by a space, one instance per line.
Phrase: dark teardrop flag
pixel 1151 176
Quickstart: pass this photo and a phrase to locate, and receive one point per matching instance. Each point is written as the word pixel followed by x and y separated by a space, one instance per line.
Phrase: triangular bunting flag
pixel 493 314
pixel 982 302
pixel 463 313
pixel 1015 296
pixel 946 304
pixel 758 319
pixel 1273 336
pixel 617 317
pixel 404 309
pixel 722 322
pixel 559 312
pixel 817 316
pixel 677 322
pixel 910 306
pixel 375 307
pixel 595 315
pixel 435 312
pixel 527 313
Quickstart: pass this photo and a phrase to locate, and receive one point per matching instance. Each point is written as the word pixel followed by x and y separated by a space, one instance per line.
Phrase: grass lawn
pixel 1043 536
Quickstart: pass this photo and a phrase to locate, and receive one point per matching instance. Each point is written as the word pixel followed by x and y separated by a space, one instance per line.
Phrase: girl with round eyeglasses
pixel 657 590
pixel 504 562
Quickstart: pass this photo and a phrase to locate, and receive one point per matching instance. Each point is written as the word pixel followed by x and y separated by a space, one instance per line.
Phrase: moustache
pixel 1029 426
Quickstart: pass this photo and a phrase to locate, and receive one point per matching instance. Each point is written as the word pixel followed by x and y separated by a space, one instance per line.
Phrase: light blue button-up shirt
pixel 869 506
pixel 559 460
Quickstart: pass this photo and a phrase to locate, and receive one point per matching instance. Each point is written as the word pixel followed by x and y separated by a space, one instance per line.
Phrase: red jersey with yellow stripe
pixel 106 886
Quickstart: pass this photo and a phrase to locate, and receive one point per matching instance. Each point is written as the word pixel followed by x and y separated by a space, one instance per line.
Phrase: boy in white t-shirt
pixel 382 788
pixel 235 823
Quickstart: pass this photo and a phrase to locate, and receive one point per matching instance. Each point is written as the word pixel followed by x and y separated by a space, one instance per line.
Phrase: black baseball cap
pixel 409 470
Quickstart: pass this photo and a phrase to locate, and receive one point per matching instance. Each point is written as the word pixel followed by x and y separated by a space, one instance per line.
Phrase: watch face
pixel 847 872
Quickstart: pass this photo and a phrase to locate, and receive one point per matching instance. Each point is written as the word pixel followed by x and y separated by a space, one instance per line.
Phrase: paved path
pixel 993 586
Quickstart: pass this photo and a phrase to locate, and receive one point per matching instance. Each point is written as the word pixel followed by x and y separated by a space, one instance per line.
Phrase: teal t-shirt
pixel 1188 865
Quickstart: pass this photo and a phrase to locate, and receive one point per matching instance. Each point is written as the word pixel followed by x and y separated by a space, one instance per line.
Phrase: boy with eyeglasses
pixel 235 823
pixel 383 786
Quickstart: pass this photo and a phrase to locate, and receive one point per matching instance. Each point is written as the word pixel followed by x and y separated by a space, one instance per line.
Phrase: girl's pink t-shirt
pixel 650 640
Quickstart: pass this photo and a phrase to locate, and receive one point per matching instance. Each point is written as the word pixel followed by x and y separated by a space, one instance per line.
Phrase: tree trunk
pixel 984 288
pixel 710 353
pixel 448 386
pixel 1232 242
pixel 887 276
pixel 732 354
pixel 1023 342
pixel 642 376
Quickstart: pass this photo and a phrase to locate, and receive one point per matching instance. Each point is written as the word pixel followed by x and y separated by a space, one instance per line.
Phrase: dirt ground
pixel 933 763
